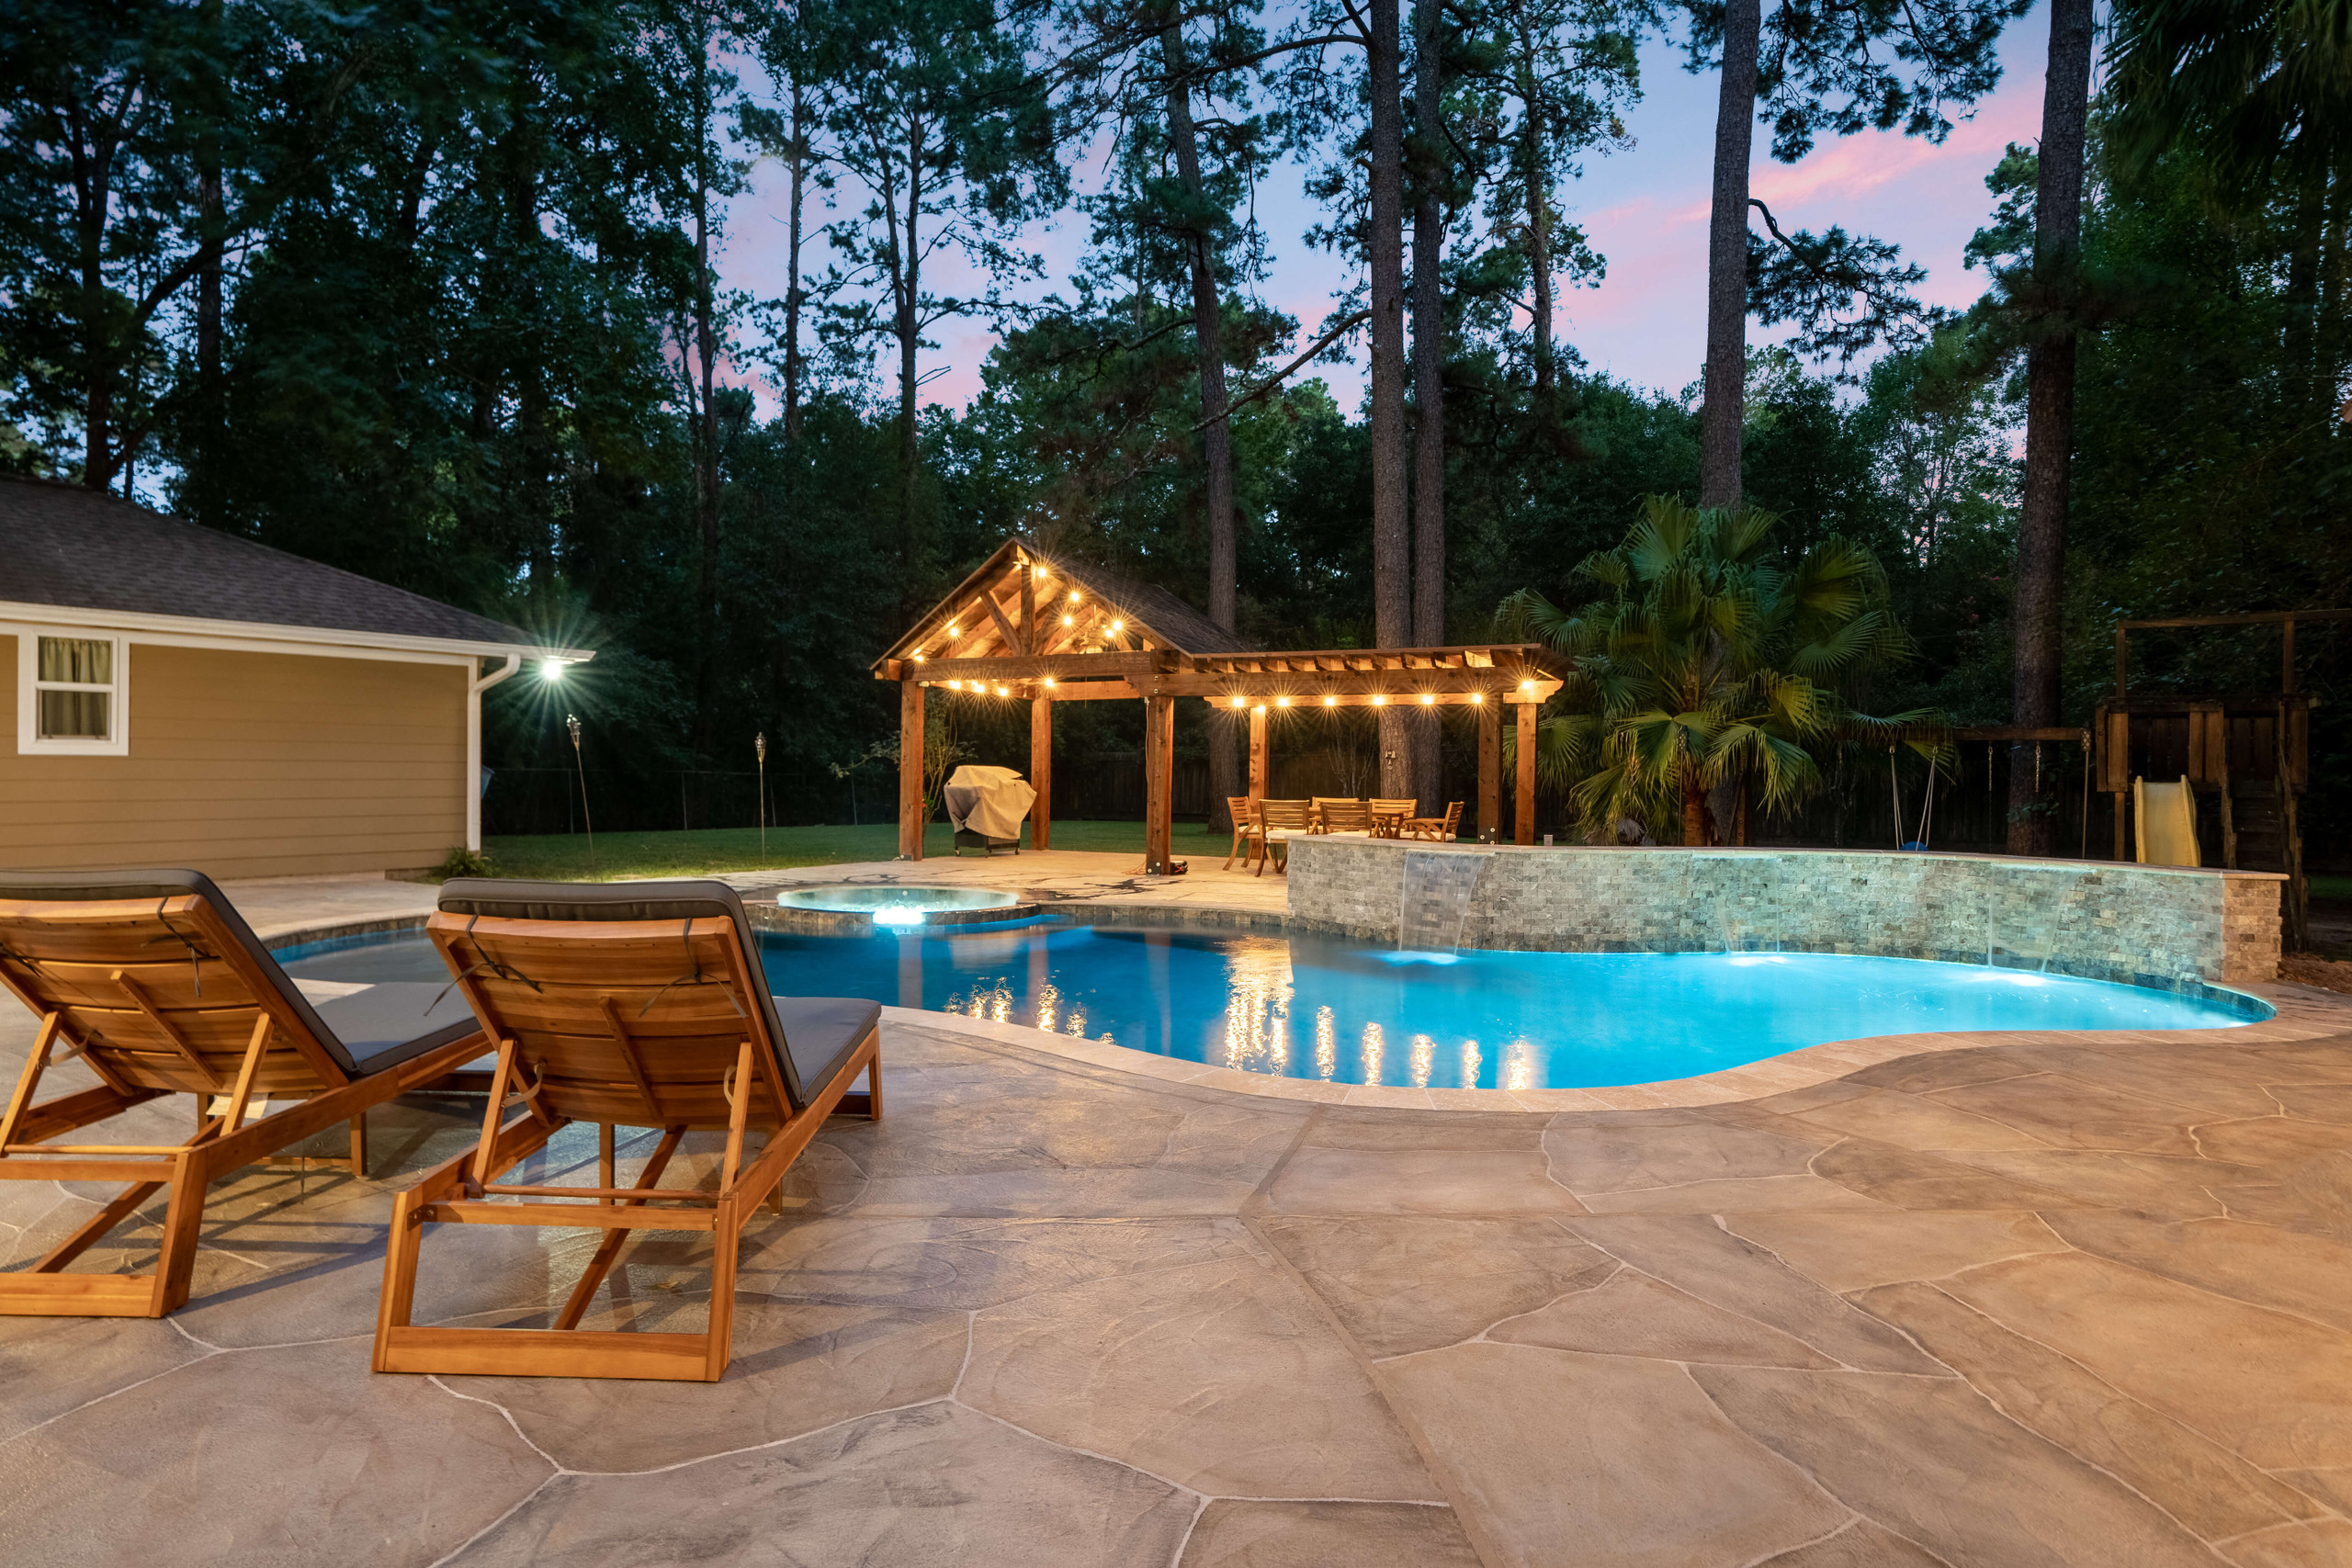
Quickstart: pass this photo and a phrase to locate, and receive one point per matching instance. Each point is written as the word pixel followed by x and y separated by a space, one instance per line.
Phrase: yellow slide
pixel 2166 814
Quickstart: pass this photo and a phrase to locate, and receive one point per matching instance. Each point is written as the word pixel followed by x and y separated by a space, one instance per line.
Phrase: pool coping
pixel 2305 1012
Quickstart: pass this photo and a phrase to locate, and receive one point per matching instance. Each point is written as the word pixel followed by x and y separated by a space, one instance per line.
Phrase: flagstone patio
pixel 2048 1301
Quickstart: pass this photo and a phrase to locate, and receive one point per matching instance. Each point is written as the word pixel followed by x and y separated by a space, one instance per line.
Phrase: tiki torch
pixel 572 727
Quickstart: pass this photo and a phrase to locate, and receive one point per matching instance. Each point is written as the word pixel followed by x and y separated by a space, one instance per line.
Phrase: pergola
pixel 1030 624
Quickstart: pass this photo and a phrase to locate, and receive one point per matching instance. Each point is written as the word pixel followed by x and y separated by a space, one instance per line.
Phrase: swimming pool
pixel 1312 1007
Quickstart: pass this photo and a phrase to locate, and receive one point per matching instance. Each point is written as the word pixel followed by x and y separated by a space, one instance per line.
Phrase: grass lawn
pixel 564 856
pixel 2335 889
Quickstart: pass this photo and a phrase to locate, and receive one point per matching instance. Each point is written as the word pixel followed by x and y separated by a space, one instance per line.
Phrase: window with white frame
pixel 72 691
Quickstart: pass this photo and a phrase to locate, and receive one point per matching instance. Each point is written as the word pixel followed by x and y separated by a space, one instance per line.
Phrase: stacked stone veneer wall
pixel 2147 925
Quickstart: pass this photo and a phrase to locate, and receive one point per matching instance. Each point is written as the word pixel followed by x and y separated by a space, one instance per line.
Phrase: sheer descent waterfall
pixel 1438 885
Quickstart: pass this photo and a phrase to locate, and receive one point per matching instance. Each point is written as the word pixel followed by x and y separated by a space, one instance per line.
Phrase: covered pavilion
pixel 1029 623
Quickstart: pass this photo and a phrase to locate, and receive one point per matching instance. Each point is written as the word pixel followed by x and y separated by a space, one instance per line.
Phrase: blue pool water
pixel 1321 1007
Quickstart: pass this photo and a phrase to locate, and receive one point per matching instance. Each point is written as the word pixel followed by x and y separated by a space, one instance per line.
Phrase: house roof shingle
pixel 74 548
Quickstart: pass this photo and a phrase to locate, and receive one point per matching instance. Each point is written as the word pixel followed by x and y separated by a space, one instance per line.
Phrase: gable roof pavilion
pixel 1032 624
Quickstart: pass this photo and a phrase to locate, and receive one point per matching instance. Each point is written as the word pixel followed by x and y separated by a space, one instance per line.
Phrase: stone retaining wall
pixel 2147 925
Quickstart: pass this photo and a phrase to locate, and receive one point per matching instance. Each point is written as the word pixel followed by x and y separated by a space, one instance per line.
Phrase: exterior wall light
pixel 553 669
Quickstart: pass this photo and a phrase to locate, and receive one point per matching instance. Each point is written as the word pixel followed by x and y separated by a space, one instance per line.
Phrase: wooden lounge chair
pixel 1442 828
pixel 1244 811
pixel 157 983
pixel 636 1004
pixel 1279 821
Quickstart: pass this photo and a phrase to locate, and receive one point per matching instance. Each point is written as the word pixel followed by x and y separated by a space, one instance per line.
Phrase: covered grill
pixel 987 806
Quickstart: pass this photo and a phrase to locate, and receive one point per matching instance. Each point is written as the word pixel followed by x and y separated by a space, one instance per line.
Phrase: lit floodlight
pixel 553 669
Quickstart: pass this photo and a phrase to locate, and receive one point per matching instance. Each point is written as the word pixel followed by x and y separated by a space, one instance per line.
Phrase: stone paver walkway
pixel 2046 1301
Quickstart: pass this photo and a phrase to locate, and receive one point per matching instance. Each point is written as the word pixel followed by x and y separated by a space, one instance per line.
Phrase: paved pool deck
pixel 2041 1300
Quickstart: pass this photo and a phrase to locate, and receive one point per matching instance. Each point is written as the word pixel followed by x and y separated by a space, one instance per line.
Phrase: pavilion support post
pixel 910 812
pixel 1490 772
pixel 1159 781
pixel 1259 762
pixel 1523 821
pixel 1041 771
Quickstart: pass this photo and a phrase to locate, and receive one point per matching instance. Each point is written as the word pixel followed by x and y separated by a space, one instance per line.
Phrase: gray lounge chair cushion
pixel 831 1024
pixel 388 1032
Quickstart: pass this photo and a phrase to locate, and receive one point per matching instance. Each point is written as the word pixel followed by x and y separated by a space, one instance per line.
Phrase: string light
pixel 1330 702
pixel 1477 698
pixel 1003 692
pixel 1282 701
pixel 1049 682
pixel 918 658
pixel 953 631
pixel 1069 620
pixel 1379 701
pixel 1073 596
pixel 1241 701
pixel 955 685
pixel 1118 626
pixel 1527 686
pixel 1428 697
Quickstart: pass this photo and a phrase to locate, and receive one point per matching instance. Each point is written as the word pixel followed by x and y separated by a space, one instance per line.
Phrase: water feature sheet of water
pixel 1435 898
pixel 1314 1006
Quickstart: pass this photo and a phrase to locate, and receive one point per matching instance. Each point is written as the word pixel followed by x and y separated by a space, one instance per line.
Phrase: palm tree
pixel 1707 660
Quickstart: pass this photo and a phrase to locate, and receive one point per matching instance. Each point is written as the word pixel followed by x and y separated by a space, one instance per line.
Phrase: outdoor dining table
pixel 1388 824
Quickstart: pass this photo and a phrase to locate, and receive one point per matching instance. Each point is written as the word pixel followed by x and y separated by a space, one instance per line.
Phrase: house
pixel 182 696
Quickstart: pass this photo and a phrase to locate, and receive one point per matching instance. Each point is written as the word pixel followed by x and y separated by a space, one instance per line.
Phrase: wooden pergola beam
pixel 1024 666
pixel 1395 685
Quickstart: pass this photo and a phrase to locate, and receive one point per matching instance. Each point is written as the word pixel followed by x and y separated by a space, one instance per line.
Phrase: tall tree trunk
pixel 2302 384
pixel 2040 576
pixel 1719 420
pixel 99 357
pixel 910 331
pixel 1429 373
pixel 204 476
pixel 1384 259
pixel 706 422
pixel 1539 218
pixel 1217 436
pixel 2335 265
pixel 793 293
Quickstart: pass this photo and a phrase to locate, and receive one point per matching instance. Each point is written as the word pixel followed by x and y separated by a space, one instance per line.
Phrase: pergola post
pixel 1041 771
pixel 1523 827
pixel 910 770
pixel 1490 772
pixel 1258 761
pixel 1159 781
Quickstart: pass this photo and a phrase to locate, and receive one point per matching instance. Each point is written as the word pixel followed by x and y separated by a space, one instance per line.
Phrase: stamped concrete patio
pixel 2043 1299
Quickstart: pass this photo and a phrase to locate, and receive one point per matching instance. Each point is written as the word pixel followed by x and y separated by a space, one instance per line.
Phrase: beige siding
pixel 250 764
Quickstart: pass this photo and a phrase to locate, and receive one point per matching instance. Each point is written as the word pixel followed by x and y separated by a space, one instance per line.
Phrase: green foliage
pixel 463 861
pixel 1709 657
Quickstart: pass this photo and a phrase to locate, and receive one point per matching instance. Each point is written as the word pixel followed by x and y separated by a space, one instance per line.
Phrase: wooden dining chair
pixel 1244 811
pixel 157 985
pixel 1342 816
pixel 1389 816
pixel 637 1004
pixel 1279 822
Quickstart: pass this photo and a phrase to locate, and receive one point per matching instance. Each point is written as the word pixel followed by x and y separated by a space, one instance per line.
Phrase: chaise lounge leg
pixel 183 1222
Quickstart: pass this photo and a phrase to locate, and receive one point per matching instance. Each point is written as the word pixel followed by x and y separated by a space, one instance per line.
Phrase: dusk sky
pixel 1644 210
